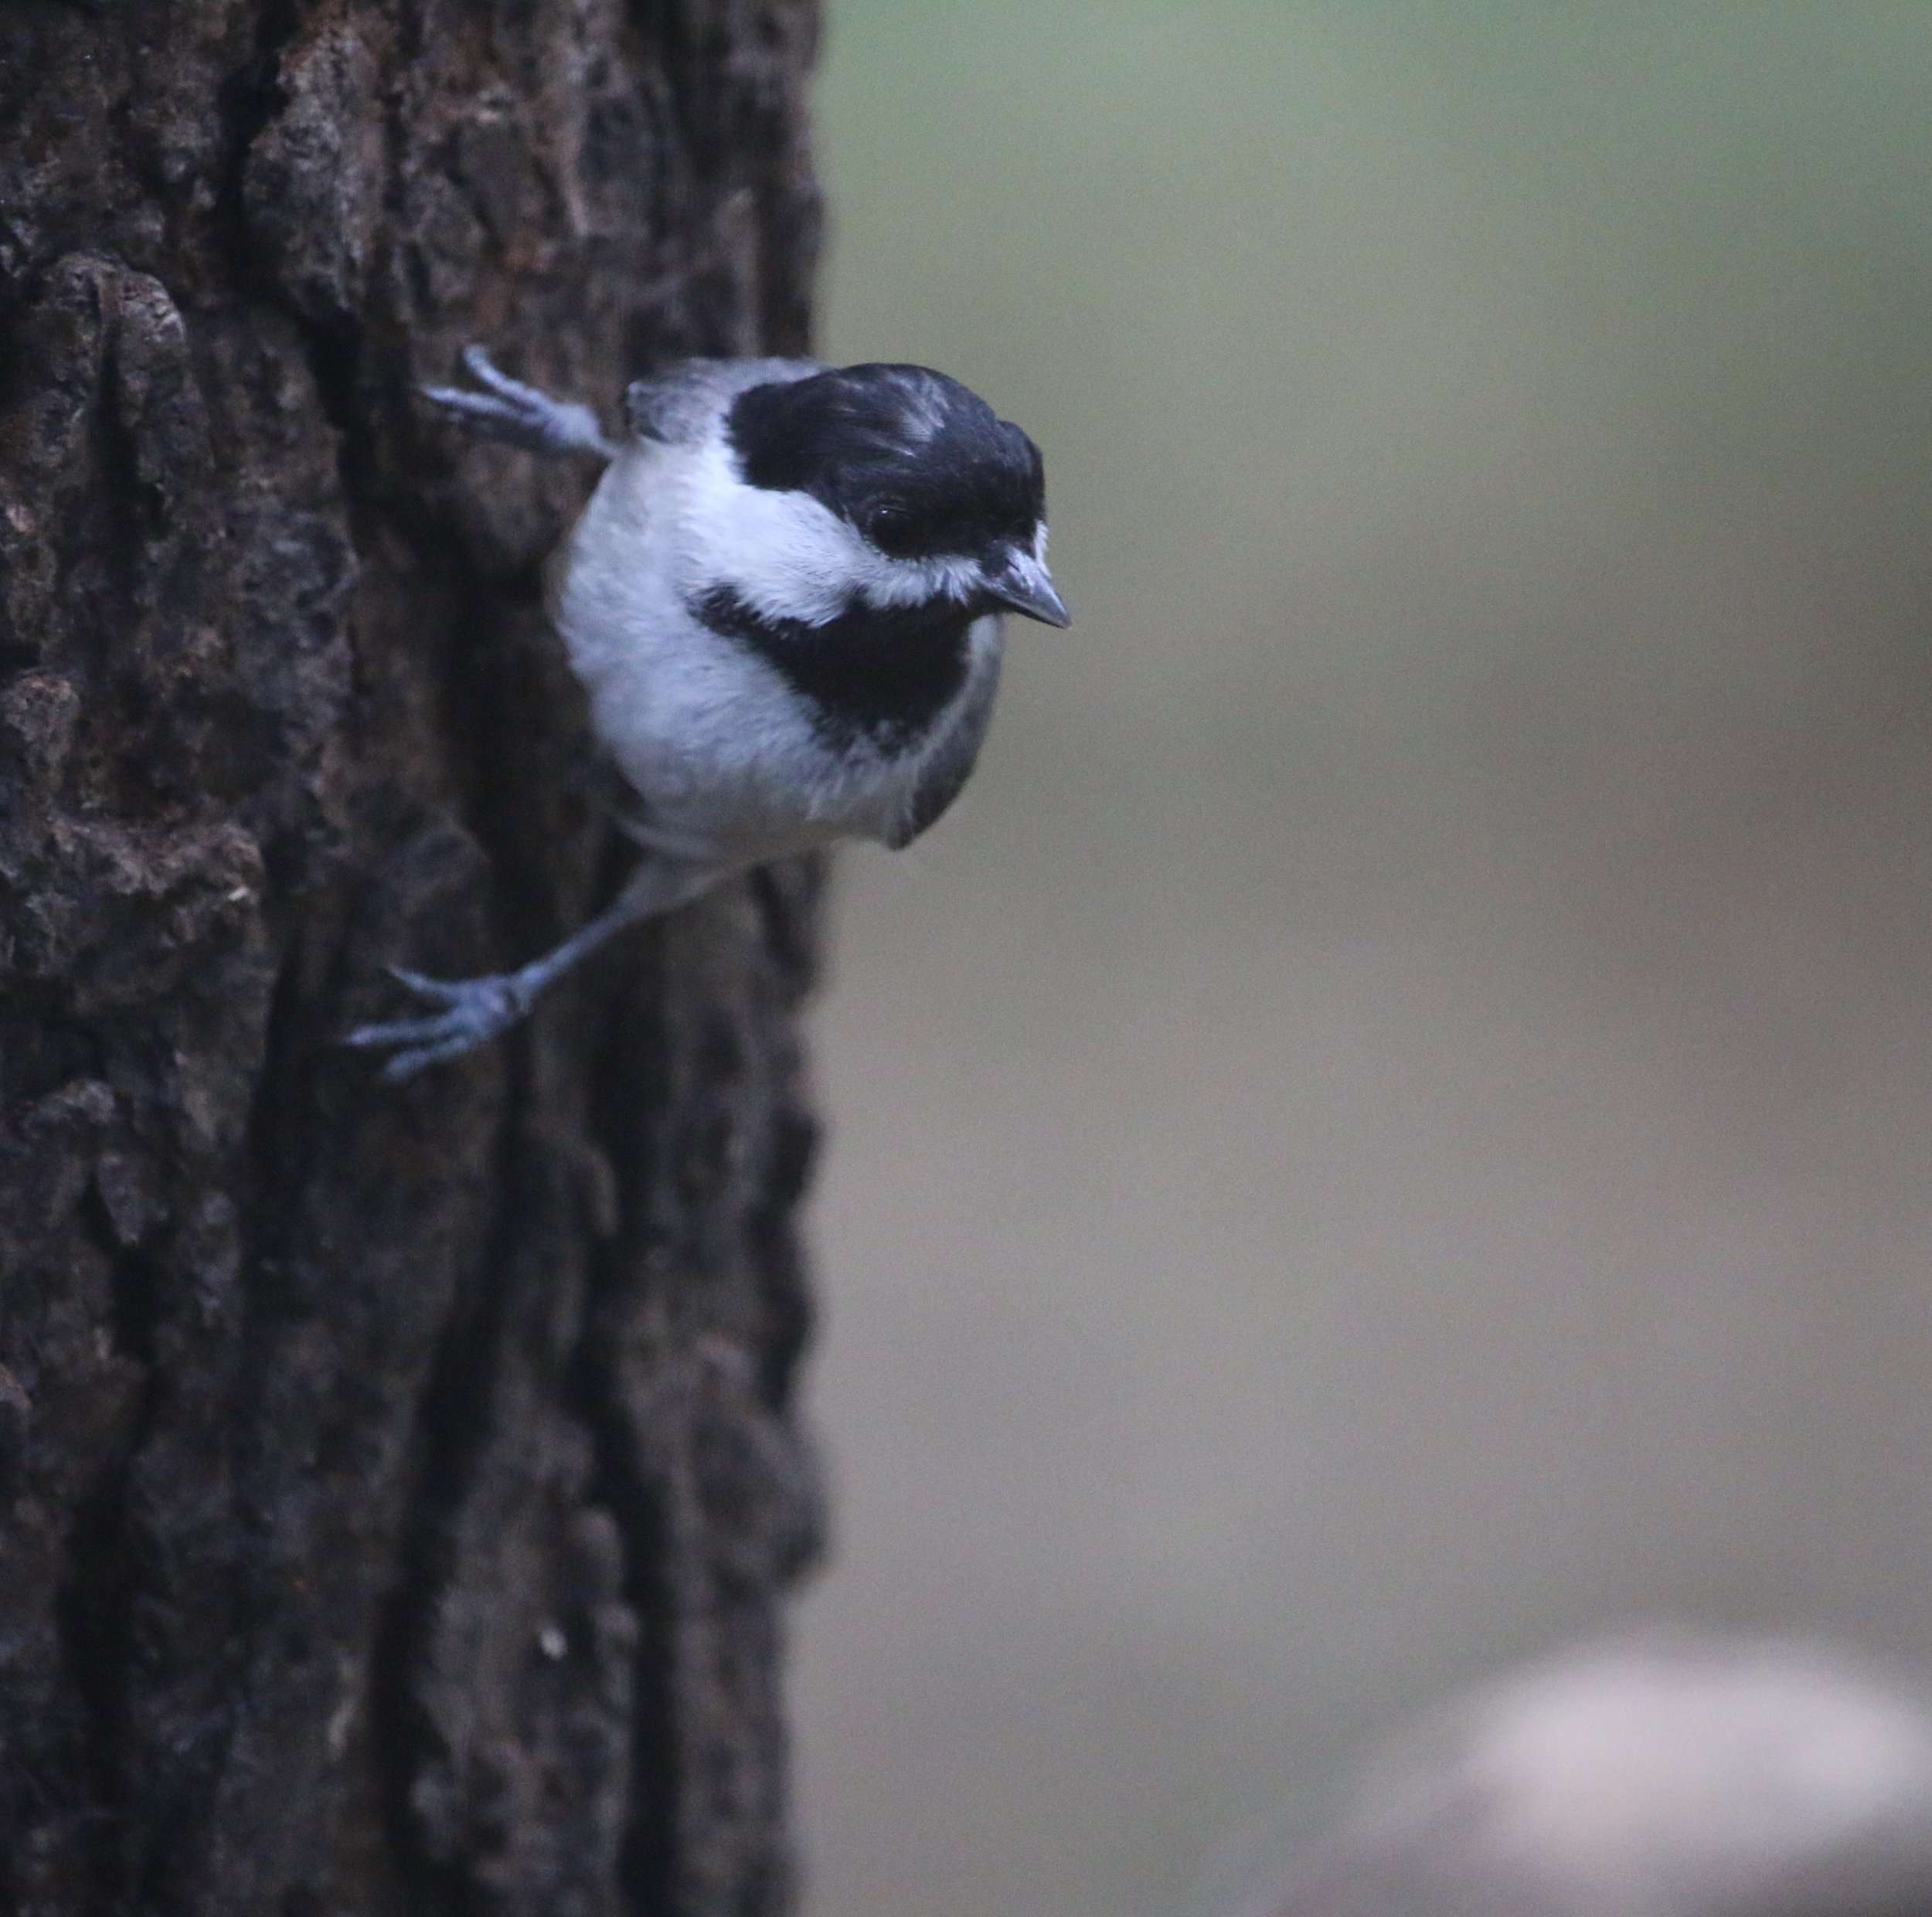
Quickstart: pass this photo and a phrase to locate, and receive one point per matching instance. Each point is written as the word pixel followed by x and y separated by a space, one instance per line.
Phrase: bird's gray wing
pixel 950 764
pixel 678 404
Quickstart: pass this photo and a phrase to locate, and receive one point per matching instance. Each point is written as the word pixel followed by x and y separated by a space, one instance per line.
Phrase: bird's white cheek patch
pixel 889 581
pixel 787 557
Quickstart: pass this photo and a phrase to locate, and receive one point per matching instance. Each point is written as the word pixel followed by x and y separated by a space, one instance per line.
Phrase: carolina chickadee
pixel 784 599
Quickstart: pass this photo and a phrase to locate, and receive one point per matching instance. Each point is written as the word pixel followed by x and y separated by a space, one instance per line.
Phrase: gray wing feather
pixel 678 404
pixel 952 763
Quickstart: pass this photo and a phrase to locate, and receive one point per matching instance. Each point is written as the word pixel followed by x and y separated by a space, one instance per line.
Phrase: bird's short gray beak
pixel 1025 586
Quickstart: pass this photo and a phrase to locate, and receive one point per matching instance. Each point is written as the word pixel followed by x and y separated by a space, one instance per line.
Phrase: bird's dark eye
pixel 888 527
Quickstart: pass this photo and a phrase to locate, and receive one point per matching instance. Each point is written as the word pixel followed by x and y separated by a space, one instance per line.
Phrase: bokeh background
pixel 1392 1127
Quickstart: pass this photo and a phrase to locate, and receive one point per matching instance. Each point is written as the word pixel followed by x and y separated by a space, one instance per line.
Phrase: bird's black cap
pixel 921 464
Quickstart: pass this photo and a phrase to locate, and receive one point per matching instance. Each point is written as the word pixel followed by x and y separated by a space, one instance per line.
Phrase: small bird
pixel 784 599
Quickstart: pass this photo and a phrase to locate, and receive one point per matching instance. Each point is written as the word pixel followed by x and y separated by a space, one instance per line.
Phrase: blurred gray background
pixel 1392 1126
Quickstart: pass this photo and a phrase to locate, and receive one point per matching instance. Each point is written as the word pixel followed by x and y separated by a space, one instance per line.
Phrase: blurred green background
pixel 1393 1125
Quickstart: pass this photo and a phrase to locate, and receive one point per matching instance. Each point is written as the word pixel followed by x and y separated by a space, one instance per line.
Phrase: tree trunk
pixel 398 1487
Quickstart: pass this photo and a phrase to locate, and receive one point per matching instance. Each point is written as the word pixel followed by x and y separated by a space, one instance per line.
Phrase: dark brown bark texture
pixel 398 1487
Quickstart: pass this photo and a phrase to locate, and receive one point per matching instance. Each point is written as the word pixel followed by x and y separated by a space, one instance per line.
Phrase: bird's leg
pixel 520 415
pixel 474 1009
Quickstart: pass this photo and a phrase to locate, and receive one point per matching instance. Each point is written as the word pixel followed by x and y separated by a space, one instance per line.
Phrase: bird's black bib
pixel 881 674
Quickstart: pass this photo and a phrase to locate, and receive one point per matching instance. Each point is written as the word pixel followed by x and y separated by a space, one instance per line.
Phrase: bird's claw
pixel 522 415
pixel 473 1010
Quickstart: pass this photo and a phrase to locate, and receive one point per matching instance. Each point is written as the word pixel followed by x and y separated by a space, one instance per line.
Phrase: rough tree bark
pixel 397 1487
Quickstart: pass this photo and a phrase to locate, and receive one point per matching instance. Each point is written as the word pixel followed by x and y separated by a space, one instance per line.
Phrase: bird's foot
pixel 508 409
pixel 473 1010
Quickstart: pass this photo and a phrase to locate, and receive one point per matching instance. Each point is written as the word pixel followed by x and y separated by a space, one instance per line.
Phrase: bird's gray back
pixel 679 405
